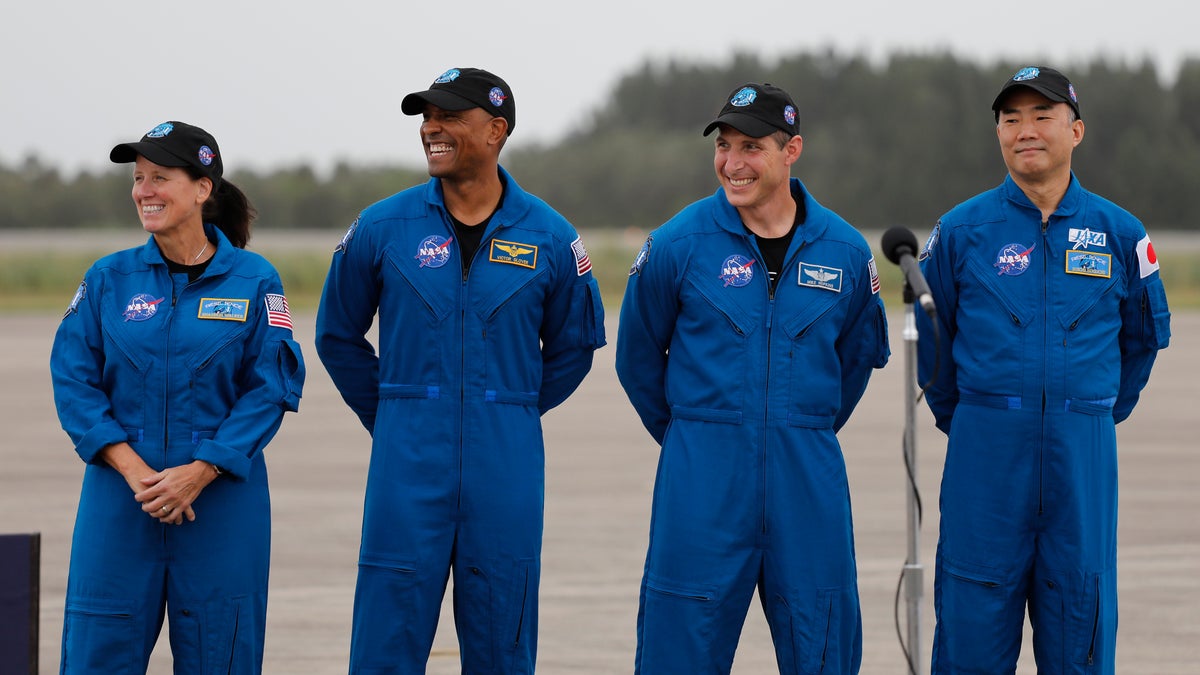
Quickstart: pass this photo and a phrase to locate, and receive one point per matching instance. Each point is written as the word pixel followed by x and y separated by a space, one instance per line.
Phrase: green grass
pixel 45 280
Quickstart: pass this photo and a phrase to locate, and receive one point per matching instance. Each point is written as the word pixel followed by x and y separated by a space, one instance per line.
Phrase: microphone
pixel 900 246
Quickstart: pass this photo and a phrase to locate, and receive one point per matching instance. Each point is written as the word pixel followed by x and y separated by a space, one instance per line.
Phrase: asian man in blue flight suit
pixel 1050 312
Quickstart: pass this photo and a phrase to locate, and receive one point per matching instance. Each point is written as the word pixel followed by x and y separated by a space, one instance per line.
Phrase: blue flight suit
pixel 1048 332
pixel 745 390
pixel 182 372
pixel 467 364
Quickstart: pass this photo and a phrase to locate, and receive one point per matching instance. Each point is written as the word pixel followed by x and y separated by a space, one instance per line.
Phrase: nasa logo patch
pixel 433 251
pixel 737 270
pixel 1013 259
pixel 141 307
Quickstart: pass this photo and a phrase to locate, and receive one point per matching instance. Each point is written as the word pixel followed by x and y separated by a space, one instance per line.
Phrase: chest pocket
pixel 217 341
pixel 432 287
pixel 497 287
pixel 1086 297
pixel 812 326
pixel 730 304
pixel 709 362
pixel 126 370
pixel 1006 297
pixel 810 310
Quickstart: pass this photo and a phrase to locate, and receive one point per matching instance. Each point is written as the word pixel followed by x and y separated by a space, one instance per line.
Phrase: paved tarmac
pixel 600 469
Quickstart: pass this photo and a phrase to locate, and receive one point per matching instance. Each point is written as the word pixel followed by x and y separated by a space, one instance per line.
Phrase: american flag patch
pixel 874 275
pixel 277 311
pixel 582 262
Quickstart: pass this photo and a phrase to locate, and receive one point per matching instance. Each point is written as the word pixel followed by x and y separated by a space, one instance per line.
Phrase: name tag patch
pixel 820 276
pixel 224 309
pixel 513 253
pixel 1089 264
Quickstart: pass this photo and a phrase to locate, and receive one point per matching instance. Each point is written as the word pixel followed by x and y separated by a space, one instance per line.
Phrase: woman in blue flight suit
pixel 172 370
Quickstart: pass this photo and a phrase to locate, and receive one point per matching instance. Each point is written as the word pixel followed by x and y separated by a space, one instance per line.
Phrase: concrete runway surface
pixel 600 469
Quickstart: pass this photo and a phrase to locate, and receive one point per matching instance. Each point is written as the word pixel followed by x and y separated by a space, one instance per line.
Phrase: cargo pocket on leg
pixel 805 632
pixel 101 636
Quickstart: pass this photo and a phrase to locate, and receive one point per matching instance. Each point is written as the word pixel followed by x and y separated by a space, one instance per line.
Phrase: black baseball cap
pixel 465 88
pixel 1046 81
pixel 175 144
pixel 758 110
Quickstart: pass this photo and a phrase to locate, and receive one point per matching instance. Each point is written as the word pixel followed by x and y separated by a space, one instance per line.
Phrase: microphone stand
pixel 913 575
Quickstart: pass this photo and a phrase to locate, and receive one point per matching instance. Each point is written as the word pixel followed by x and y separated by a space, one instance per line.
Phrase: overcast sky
pixel 280 83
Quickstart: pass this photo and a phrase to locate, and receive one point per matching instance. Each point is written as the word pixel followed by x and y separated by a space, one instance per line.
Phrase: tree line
pixel 895 142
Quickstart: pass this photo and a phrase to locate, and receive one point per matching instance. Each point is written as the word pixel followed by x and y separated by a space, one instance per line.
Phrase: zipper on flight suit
pixel 462 352
pixel 770 323
pixel 1045 362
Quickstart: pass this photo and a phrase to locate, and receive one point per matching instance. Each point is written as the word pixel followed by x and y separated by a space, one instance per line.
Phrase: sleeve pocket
pixel 290 368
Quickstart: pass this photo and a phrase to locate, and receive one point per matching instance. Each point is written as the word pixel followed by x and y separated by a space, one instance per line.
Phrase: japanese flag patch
pixel 1147 260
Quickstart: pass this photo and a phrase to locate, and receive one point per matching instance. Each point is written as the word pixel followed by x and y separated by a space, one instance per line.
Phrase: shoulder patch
pixel 278 314
pixel 80 294
pixel 932 241
pixel 642 257
pixel 1147 259
pixel 345 242
pixel 583 263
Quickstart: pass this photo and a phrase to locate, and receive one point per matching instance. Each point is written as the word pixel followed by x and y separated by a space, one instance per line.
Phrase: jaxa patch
pixel 141 307
pixel 513 253
pixel 345 242
pixel 642 258
pixel 80 294
pixel 223 309
pixel 1089 264
pixel 820 276
pixel 931 241
pixel 1083 238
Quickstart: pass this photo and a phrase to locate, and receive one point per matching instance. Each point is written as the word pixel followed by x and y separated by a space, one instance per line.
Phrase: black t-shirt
pixel 775 249
pixel 469 237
